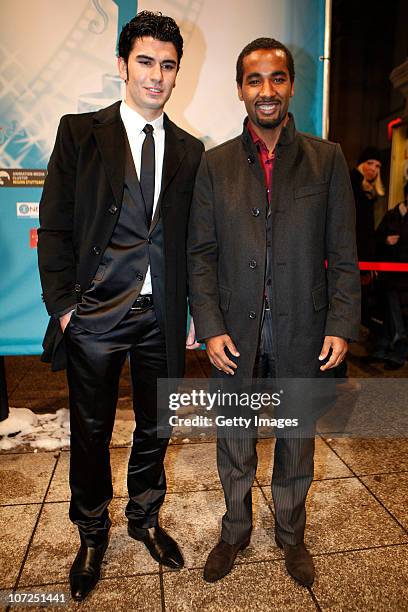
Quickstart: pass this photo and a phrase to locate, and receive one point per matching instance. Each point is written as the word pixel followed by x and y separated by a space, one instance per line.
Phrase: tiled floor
pixel 357 526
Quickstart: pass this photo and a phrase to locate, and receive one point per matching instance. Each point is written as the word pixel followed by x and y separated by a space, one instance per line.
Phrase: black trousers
pixel 94 364
pixel 292 469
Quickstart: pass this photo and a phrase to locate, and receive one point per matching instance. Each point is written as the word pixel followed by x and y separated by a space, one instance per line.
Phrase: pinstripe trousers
pixel 292 470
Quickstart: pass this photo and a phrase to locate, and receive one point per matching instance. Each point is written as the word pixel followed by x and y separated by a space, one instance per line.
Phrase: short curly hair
pixel 264 43
pixel 156 25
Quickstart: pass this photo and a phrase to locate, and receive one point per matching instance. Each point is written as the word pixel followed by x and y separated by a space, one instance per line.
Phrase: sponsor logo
pixel 4 177
pixel 17 177
pixel 27 209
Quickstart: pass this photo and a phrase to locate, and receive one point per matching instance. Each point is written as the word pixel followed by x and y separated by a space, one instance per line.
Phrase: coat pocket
pixel 311 190
pixel 225 297
pixel 320 297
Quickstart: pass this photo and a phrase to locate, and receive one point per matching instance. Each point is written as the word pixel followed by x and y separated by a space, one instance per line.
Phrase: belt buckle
pixel 142 303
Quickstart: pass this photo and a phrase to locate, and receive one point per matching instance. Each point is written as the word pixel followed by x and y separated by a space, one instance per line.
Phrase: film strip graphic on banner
pixel 186 14
pixel 26 139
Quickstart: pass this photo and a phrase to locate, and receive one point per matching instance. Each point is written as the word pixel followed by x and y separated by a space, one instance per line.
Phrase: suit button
pixel 139 276
pixel 96 250
pixel 255 212
pixel 149 241
pixel 252 264
pixel 113 209
pixel 252 314
pixel 77 288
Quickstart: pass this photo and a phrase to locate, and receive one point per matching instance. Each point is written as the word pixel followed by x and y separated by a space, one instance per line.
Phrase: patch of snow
pixel 20 420
pixel 23 428
pixel 46 443
pixel 44 431
pixel 6 444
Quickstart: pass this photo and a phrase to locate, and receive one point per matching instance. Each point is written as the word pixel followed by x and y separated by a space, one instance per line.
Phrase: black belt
pixel 143 302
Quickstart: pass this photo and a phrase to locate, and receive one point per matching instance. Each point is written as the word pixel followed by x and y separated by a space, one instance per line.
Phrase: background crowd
pixel 384 307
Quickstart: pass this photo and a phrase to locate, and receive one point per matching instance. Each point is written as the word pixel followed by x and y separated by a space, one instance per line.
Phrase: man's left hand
pixel 339 348
pixel 191 342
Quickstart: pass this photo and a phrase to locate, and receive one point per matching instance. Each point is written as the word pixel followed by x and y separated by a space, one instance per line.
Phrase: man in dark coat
pixel 270 208
pixel 112 261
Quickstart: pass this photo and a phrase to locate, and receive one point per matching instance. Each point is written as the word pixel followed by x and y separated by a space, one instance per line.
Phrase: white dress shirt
pixel 134 124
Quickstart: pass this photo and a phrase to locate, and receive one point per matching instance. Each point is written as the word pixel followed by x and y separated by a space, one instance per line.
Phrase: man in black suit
pixel 113 219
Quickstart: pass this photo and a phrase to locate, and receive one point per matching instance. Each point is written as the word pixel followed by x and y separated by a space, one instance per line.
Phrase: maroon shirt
pixel 267 159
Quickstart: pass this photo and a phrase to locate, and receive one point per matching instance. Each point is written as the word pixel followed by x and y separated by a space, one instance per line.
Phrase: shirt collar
pixel 135 122
pixel 257 140
pixel 287 137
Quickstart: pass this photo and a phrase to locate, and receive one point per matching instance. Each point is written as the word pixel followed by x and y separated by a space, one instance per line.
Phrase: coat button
pixel 149 241
pixel 255 212
pixel 113 209
pixel 96 250
pixel 77 288
pixel 139 276
pixel 252 314
pixel 252 264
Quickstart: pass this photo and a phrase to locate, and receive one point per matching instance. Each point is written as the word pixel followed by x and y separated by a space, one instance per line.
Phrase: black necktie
pixel 147 171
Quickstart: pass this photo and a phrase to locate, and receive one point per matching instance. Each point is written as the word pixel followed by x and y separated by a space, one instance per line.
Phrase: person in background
pixel 392 245
pixel 367 187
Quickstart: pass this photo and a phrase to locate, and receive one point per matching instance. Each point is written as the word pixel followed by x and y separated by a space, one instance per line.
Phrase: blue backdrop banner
pixel 65 62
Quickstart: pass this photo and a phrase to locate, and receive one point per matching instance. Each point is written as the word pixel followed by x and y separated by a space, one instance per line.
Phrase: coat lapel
pixel 174 152
pixel 253 157
pixel 110 138
pixel 284 169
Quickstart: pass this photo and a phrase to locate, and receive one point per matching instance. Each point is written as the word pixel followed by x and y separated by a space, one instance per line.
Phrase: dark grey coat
pixel 312 215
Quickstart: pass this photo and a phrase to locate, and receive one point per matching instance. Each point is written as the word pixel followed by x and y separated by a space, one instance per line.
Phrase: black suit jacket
pixel 80 204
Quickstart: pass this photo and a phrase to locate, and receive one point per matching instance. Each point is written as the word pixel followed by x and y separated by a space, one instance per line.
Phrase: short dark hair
pixel 157 26
pixel 264 43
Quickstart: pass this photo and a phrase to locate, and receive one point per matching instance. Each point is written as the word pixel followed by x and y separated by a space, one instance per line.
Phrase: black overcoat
pixel 79 208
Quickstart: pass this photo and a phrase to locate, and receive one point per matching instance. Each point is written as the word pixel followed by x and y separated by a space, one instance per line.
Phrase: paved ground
pixel 357 520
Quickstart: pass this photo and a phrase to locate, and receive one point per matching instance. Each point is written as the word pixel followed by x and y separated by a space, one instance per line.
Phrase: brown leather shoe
pixel 298 561
pixel 221 559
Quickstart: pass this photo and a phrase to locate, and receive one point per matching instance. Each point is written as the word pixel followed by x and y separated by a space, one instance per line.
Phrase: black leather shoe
pixel 221 559
pixel 159 544
pixel 86 569
pixel 298 562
